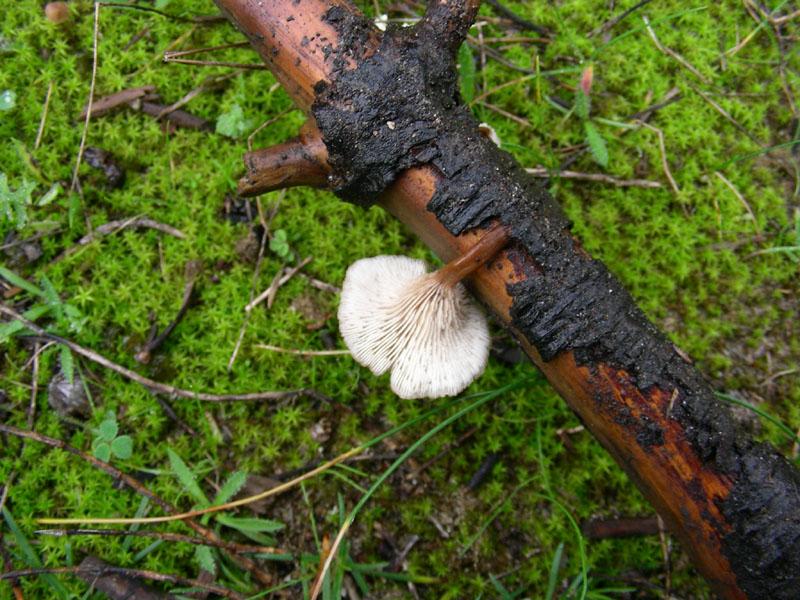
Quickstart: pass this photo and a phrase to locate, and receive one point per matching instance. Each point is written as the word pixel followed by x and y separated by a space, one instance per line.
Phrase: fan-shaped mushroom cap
pixel 394 315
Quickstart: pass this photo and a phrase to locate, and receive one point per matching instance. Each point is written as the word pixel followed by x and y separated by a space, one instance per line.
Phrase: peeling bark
pixel 414 149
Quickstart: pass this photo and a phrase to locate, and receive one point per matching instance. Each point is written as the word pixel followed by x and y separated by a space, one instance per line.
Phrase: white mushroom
pixel 423 326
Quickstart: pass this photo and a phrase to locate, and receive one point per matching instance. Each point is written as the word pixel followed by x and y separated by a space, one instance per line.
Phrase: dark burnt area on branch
pixel 401 108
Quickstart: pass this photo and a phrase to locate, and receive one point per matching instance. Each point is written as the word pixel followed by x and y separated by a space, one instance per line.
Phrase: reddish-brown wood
pixel 298 161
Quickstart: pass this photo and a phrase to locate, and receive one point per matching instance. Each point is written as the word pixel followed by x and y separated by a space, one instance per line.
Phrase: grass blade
pixel 31 557
pixel 18 281
pixel 555 566
pixel 788 432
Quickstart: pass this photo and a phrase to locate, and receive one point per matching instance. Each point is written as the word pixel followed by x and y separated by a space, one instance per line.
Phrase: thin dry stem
pixel 663 153
pixel 155 58
pixel 265 225
pixel 44 115
pixel 195 92
pixel 281 277
pixel 189 515
pixel 741 199
pixel 266 123
pixel 168 56
pixel 120 224
pixel 303 352
pixel 78 159
pixel 542 172
pixel 218 63
pixel 508 115
pixel 675 55
pixel 167 537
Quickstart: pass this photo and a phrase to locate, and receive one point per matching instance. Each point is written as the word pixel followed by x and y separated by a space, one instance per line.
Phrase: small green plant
pixel 233 122
pixel 253 528
pixel 67 317
pixel 107 442
pixel 582 106
pixel 279 244
pixel 14 205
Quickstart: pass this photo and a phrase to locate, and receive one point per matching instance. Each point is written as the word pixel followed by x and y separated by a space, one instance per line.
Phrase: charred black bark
pixel 401 108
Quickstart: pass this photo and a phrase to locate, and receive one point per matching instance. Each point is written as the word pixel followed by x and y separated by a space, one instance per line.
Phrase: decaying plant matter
pixel 414 149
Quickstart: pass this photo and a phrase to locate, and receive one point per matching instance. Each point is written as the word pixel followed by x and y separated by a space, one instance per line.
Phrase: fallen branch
pixel 108 103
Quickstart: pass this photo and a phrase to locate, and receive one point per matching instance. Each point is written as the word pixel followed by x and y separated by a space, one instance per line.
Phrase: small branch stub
pixel 301 160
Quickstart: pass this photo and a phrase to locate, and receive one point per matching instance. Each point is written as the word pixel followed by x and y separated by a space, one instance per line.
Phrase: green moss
pixel 686 257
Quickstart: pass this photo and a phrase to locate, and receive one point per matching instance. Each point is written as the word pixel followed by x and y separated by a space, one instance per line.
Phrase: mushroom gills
pixel 394 315
pixel 423 326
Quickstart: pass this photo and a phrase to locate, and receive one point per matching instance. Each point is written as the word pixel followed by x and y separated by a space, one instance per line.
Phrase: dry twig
pixel 303 352
pixel 167 537
pixel 281 277
pixel 742 200
pixel 120 224
pixel 506 114
pixel 78 159
pixel 265 223
pixel 541 172
pixel 675 55
pixel 107 570
pixel 155 386
pixel 44 115
pixel 663 153
pixel 196 513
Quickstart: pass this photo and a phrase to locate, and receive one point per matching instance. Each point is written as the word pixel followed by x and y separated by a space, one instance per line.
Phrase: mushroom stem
pixel 484 250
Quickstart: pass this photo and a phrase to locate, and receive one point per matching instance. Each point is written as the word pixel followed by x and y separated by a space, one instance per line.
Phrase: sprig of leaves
pixel 253 528
pixel 233 123
pixel 14 205
pixel 67 317
pixel 582 106
pixel 108 442
pixel 279 244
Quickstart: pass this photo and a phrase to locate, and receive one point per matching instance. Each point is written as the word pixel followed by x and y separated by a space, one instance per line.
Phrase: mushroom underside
pixel 393 315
